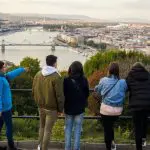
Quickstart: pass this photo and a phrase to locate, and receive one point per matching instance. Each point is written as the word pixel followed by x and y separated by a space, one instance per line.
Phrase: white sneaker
pixel 113 146
pixel 144 142
pixel 39 148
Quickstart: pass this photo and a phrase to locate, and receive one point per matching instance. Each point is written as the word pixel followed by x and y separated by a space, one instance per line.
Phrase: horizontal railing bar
pixel 62 117
pixel 22 90
pixel 29 45
pixel 30 90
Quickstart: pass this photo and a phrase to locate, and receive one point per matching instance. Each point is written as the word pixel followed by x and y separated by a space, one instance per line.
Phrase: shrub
pixel 58 130
pixel 95 77
pixel 102 59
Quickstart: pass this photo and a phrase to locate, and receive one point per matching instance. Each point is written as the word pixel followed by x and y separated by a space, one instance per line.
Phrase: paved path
pixel 31 145
pixel 36 149
pixel 119 147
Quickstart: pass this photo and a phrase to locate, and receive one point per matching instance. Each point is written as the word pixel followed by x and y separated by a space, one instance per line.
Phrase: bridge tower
pixel 53 47
pixel 3 46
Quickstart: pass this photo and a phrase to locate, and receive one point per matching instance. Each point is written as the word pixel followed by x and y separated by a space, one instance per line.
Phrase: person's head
pixel 51 60
pixel 2 66
pixel 113 69
pixel 76 69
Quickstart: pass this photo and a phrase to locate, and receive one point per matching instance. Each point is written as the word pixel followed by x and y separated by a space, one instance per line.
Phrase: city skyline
pixel 108 9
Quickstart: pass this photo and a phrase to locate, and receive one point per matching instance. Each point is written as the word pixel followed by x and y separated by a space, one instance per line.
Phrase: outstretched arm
pixel 12 74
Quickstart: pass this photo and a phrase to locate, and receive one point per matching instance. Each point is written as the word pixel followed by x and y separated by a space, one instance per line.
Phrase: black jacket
pixel 138 82
pixel 76 92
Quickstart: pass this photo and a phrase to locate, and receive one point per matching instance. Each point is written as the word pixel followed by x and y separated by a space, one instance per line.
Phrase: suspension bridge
pixel 51 44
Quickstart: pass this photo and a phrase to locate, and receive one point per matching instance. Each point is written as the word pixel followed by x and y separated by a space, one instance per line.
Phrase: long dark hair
pixel 1 64
pixel 76 69
pixel 113 70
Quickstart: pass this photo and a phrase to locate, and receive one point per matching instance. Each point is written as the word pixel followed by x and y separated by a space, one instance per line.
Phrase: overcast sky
pixel 102 9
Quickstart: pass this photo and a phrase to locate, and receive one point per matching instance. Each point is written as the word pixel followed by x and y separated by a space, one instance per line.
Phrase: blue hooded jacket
pixel 5 92
pixel 115 96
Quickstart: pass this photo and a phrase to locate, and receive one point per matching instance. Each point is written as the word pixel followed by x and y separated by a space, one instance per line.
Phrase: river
pixel 32 36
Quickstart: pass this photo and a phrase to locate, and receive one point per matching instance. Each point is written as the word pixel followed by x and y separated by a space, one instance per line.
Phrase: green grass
pixel 25 129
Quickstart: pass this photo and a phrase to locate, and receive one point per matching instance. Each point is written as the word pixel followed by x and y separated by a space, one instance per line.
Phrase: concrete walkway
pixel 32 145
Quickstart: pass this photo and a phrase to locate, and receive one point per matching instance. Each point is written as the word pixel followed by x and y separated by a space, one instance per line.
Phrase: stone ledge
pixel 30 145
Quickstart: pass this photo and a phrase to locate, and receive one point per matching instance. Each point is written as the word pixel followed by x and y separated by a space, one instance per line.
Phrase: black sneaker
pixel 12 148
pixel 3 148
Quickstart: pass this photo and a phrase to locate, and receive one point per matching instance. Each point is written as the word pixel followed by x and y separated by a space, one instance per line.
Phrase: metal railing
pixel 61 117
pixel 30 90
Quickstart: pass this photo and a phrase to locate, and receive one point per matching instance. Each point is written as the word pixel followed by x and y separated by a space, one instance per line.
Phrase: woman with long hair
pixel 112 89
pixel 76 92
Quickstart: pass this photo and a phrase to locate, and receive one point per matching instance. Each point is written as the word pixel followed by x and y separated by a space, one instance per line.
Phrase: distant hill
pixel 70 17
pixel 50 16
pixel 55 16
pixel 2 15
pixel 82 17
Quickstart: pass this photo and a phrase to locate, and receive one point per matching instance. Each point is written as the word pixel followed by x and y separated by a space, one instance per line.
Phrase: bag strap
pixel 110 89
pixel 75 84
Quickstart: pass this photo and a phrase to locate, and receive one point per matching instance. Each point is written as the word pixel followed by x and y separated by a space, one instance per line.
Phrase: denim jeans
pixel 7 119
pixel 70 122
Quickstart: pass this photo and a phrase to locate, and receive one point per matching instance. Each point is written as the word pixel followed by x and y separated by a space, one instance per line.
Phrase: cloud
pixel 94 8
pixel 72 3
pixel 138 4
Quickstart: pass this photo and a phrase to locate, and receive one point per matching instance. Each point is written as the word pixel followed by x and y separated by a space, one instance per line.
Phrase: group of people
pixel 113 91
pixel 55 95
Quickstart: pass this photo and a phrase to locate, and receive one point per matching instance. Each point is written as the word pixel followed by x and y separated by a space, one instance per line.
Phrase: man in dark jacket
pixel 138 81
pixel 48 93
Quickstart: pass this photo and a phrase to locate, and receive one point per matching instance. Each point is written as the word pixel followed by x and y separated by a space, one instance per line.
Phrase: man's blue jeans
pixel 70 122
pixel 7 119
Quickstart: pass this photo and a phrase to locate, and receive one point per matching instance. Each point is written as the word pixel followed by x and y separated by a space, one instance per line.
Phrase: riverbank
pixel 33 36
pixel 10 31
pixel 84 50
